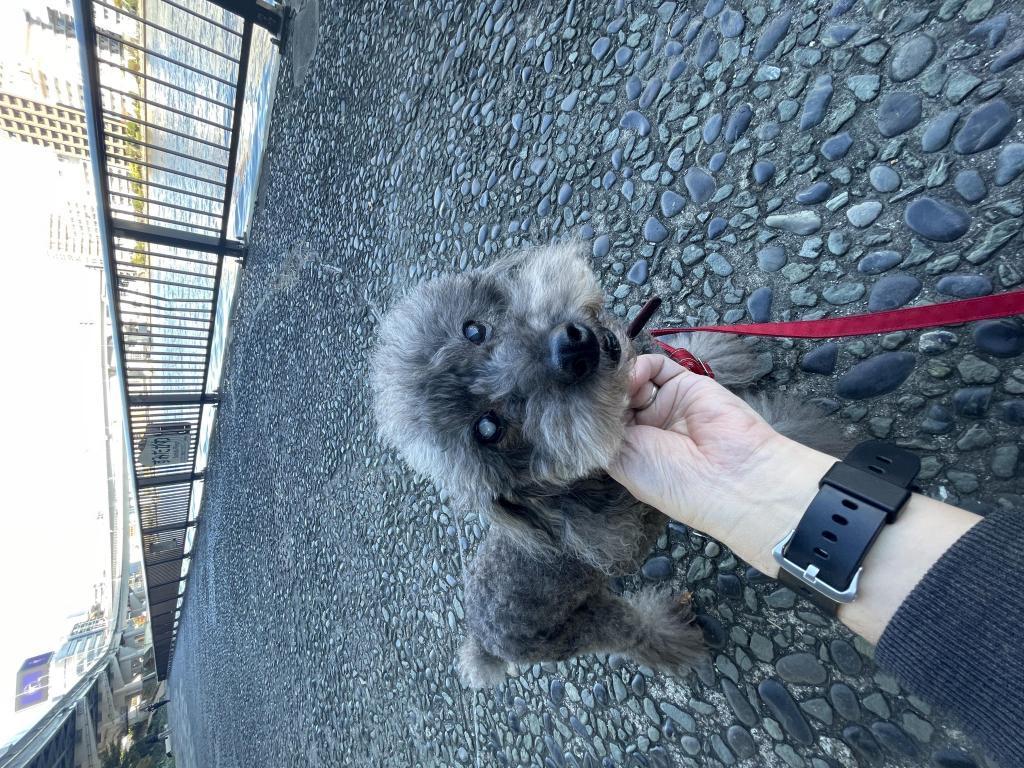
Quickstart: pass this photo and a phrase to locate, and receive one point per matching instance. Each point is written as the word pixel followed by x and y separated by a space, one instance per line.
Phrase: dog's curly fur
pixel 559 526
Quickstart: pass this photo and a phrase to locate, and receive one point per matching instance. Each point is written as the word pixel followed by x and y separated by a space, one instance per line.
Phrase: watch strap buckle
pixel 808 575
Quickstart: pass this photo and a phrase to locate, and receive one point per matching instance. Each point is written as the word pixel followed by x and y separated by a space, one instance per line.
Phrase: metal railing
pixel 164 85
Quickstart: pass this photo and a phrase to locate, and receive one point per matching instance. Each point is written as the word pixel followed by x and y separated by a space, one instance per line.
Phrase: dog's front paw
pixel 667 636
pixel 478 668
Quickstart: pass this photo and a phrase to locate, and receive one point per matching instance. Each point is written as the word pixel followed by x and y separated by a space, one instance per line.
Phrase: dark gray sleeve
pixel 958 639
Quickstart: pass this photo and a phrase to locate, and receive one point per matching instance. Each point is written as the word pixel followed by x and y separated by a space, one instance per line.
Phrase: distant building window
pixel 61 22
pixel 111 45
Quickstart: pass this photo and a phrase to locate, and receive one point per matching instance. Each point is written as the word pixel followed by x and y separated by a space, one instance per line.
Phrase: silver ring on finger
pixel 651 399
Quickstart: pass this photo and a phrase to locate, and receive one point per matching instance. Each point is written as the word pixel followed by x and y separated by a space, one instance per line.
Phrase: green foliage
pixel 133 130
pixel 147 750
pixel 110 757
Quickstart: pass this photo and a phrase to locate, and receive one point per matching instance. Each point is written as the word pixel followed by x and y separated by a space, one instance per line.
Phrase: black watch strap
pixel 820 560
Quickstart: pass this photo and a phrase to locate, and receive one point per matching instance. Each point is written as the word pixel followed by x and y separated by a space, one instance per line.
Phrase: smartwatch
pixel 821 558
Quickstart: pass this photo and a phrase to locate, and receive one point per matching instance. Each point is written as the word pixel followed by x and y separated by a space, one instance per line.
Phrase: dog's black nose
pixel 575 352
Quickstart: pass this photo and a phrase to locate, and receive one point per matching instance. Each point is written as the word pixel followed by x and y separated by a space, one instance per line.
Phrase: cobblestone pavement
pixel 743 160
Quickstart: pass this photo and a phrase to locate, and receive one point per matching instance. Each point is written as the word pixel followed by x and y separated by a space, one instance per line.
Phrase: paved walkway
pixel 755 159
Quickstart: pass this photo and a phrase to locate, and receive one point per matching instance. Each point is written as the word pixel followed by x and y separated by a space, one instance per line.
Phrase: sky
pixel 53 547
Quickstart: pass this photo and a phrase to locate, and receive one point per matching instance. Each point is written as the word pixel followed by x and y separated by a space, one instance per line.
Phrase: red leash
pixel 906 319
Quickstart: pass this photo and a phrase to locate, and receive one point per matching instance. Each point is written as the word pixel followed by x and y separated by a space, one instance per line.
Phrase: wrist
pixel 901 556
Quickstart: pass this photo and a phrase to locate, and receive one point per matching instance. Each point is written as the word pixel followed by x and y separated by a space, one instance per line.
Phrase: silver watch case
pixel 809 575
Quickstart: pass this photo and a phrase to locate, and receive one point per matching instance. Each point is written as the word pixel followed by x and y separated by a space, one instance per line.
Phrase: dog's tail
pixel 801 421
pixel 734 360
pixel 477 667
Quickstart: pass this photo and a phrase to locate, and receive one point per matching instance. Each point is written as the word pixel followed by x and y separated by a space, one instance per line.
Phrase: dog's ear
pixel 531 526
pixel 526 514
pixel 507 265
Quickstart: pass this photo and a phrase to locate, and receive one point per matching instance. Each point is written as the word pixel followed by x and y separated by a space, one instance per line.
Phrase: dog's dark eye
pixel 474 331
pixel 489 428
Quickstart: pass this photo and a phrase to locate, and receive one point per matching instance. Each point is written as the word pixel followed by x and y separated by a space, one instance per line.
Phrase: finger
pixel 651 368
pixel 644 397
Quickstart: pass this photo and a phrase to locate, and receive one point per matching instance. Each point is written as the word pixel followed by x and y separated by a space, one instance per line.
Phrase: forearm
pixel 781 490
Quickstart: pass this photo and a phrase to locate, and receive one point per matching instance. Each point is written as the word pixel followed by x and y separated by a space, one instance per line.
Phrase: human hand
pixel 703 456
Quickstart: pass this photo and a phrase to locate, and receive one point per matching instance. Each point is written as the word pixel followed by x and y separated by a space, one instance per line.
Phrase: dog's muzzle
pixel 575 352
pixel 610 345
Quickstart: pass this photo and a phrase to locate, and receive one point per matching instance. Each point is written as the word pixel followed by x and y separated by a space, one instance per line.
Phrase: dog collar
pixel 687 359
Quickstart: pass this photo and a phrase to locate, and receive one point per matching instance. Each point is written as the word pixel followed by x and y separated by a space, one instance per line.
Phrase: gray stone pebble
pixel 772 35
pixel 682 719
pixel 972 402
pixel 759 304
pixel 763 171
pixel 740 741
pixel 898 112
pixel 700 185
pixel 817 101
pixel 836 147
pixel 821 360
pixel 819 709
pixel 1009 164
pixel 863 744
pixel 939 129
pixel 658 568
pixel 771 258
pixel 738 703
pixel 893 291
pixel 738 123
pixel 654 230
pixel 974 370
pixel 845 701
pixel 731 23
pixel 707 48
pixel 985 127
pixel 800 223
pixel 782 598
pixel 910 58
pixel 781 704
pixel 635 121
pixel 884 179
pixel 936 220
pixel 844 292
pixel 637 274
pixel 712 128
pixel 1000 338
pixel 815 193
pixel 672 203
pixel 864 214
pixel 846 657
pixel 877 262
pixel 728 585
pixel 876 376
pixel 970 186
pixel 864 87
pixel 801 669
pixel 1008 58
pixel 964 286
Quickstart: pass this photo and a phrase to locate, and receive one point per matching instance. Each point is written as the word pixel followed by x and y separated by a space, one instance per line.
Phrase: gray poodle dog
pixel 506 386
